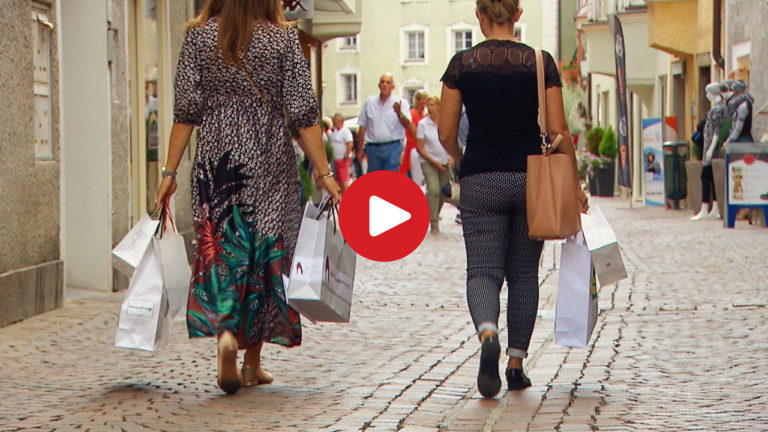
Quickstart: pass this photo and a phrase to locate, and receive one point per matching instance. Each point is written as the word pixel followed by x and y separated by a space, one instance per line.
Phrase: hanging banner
pixel 621 84
pixel 653 156
pixel 299 9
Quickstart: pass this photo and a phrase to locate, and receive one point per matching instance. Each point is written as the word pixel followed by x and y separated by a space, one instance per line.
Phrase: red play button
pixel 384 216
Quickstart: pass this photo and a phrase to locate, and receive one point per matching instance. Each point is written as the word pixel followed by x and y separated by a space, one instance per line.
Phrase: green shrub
pixel 594 136
pixel 608 146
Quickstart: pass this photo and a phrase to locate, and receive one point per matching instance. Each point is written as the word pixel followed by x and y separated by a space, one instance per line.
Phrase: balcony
pixel 334 18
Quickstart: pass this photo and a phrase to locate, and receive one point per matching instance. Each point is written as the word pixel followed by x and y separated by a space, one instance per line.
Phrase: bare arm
pixel 557 125
pixel 360 143
pixel 350 145
pixel 312 143
pixel 177 144
pixel 448 125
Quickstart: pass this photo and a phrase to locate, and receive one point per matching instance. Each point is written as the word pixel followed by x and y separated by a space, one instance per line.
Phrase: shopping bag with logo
pixel 127 255
pixel 603 247
pixel 576 308
pixel 175 264
pixel 323 268
pixel 145 319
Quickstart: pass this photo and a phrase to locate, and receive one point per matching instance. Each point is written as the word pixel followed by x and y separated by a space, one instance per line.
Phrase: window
pixel 462 39
pixel 348 43
pixel 42 29
pixel 348 89
pixel 414 45
pixel 416 51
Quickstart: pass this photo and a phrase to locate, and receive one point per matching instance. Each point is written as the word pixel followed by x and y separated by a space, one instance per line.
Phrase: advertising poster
pixel 748 175
pixel 653 158
pixel 621 80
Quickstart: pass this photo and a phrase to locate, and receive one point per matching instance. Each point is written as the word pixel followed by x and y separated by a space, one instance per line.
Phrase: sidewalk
pixel 679 345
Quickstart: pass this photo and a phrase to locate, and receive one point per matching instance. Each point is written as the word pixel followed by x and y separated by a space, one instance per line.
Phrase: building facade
pixel 92 90
pixel 415 39
pixel 745 53
pixel 647 72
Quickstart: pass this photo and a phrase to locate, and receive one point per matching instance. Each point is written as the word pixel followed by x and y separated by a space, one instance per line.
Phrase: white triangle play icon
pixel 383 216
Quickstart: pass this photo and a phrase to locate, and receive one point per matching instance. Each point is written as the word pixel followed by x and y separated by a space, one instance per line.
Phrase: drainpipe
pixel 717 23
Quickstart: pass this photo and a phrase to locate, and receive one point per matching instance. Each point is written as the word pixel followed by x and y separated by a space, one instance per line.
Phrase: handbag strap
pixel 542 94
pixel 546 147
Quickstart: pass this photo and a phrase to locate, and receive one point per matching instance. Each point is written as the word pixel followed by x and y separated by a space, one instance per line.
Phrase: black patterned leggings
pixel 496 237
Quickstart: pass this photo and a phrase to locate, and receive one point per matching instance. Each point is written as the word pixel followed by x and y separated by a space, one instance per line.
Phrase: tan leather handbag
pixel 551 188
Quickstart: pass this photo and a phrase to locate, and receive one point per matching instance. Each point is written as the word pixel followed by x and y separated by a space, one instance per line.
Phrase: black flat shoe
pixel 517 379
pixel 488 381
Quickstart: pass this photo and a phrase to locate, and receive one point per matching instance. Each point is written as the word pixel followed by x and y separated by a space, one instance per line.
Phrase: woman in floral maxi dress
pixel 240 68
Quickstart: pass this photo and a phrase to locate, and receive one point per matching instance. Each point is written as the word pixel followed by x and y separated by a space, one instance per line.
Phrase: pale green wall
pixel 379 45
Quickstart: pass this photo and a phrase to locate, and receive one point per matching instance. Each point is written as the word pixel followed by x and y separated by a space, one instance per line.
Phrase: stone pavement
pixel 679 345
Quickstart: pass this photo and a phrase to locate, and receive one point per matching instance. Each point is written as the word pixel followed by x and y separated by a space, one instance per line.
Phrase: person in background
pixel 410 165
pixel 435 162
pixel 497 83
pixel 245 183
pixel 742 102
pixel 716 118
pixel 341 141
pixel 383 121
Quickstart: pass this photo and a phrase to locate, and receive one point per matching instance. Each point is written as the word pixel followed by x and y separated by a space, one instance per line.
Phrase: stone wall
pixel 30 261
pixel 745 22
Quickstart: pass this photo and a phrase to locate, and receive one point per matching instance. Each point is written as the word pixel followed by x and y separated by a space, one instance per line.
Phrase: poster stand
pixel 746 179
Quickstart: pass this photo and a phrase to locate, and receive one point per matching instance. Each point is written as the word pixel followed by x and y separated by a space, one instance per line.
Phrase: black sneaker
pixel 517 379
pixel 488 381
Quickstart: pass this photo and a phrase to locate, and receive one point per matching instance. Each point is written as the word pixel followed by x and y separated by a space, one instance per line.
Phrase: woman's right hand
pixel 583 200
pixel 330 186
pixel 440 167
pixel 165 190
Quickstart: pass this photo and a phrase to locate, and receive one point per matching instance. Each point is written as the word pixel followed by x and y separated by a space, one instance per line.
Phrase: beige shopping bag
pixel 603 247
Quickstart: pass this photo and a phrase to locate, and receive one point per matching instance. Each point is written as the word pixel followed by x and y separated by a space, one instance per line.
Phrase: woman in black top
pixel 496 81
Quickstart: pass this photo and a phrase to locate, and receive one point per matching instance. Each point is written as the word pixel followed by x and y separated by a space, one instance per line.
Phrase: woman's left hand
pixel 330 186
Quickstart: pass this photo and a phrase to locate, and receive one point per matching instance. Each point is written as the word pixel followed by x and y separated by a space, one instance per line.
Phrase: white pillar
pixel 86 147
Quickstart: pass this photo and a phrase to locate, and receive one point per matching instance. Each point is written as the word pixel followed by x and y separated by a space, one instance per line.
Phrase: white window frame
pixel 739 50
pixel 342 48
pixel 450 33
pixel 341 89
pixel 404 32
pixel 413 84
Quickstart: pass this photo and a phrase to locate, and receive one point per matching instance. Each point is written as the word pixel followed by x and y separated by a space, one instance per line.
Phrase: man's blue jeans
pixel 384 156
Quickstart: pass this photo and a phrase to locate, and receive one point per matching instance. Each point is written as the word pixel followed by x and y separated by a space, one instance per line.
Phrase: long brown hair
pixel 237 19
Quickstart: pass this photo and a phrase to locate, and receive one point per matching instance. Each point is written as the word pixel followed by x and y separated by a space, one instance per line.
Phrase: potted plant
pixel 606 173
pixel 591 158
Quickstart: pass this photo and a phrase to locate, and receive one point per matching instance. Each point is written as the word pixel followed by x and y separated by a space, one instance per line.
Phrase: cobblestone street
pixel 679 345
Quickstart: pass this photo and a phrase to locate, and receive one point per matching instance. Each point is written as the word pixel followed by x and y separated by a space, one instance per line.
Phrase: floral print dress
pixel 245 187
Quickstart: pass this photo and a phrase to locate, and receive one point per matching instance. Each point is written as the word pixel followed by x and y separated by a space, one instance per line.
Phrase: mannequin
pixel 715 120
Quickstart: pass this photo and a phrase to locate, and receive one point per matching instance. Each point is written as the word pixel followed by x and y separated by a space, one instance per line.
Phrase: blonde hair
pixel 237 20
pixel 434 98
pixel 418 94
pixel 499 11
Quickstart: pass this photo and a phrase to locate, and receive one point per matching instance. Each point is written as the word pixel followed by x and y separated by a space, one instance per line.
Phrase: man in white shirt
pixel 383 122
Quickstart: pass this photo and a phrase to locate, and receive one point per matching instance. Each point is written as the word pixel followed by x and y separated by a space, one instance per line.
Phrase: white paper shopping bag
pixel 175 264
pixel 576 309
pixel 323 269
pixel 176 272
pixel 127 255
pixel 145 320
pixel 603 246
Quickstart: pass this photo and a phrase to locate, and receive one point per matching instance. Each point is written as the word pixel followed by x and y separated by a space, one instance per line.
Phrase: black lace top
pixel 497 81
